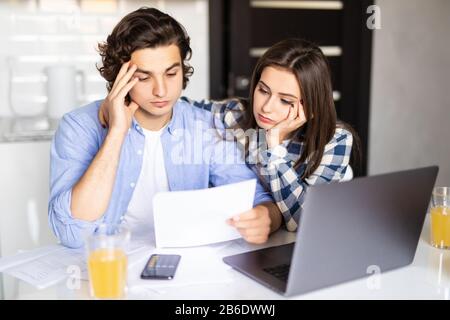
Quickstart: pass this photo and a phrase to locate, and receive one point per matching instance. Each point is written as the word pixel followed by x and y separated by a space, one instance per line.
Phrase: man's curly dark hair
pixel 140 29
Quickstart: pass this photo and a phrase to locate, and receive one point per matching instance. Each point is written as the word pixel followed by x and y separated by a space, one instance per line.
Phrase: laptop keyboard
pixel 281 271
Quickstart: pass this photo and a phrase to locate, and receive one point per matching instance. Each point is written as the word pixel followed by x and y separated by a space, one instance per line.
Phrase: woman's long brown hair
pixel 310 66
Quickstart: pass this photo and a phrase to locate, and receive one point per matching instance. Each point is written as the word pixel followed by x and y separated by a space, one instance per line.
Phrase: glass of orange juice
pixel 440 218
pixel 107 261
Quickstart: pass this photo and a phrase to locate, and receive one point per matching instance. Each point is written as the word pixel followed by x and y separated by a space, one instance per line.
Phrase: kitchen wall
pixel 410 101
pixel 35 34
pixel 38 33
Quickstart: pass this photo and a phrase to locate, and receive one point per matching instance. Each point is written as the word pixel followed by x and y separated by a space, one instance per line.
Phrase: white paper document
pixel 27 256
pixel 46 266
pixel 198 217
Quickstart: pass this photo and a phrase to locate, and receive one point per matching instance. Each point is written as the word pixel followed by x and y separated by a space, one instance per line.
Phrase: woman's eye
pixel 286 102
pixel 171 74
pixel 262 91
pixel 143 79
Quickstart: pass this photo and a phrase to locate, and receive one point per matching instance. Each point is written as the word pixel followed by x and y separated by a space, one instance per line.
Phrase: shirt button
pixel 138 128
pixel 132 185
pixel 139 152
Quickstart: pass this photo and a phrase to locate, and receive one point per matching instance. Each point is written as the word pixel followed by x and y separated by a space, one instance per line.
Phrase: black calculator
pixel 161 266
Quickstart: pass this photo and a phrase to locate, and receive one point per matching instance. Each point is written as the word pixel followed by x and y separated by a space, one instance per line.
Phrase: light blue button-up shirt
pixel 195 157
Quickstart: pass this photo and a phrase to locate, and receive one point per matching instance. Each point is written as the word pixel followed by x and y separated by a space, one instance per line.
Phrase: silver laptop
pixel 346 228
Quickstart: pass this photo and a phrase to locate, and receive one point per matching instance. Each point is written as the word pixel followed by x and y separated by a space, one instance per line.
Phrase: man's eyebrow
pixel 176 64
pixel 280 93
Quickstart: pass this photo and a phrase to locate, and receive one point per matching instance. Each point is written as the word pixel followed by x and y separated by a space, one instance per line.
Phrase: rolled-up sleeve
pixel 73 148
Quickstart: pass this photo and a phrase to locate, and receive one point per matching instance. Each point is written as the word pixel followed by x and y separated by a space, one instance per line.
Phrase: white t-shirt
pixel 152 179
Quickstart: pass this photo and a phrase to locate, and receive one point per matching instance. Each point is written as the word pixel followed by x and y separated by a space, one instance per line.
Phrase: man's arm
pixel 92 193
pixel 81 175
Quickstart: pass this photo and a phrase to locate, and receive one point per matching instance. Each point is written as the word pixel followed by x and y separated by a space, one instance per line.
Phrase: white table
pixel 428 277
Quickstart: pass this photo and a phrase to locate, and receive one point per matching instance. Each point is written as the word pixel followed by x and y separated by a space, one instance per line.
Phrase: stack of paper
pixel 43 267
pixel 49 265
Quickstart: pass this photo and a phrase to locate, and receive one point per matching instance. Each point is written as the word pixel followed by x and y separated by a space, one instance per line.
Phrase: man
pixel 103 174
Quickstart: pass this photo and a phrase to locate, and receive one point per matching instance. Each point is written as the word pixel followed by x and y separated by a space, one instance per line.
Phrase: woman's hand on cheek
pixel 295 119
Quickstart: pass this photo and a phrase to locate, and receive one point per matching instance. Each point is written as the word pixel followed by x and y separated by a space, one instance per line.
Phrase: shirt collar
pixel 175 122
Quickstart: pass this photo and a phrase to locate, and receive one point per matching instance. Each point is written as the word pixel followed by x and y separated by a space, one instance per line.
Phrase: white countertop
pixel 27 129
pixel 428 277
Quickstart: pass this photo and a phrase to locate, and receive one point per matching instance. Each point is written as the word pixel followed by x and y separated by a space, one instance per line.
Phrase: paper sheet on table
pixel 46 266
pixel 198 265
pixel 197 217
pixel 43 270
pixel 23 257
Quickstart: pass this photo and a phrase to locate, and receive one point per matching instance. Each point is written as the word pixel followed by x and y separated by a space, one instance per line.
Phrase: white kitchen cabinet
pixel 24 191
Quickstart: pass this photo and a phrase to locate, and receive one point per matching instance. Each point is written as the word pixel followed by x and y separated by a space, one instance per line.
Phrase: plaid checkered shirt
pixel 275 167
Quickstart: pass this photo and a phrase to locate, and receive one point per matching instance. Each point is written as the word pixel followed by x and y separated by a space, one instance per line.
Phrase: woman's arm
pixel 228 112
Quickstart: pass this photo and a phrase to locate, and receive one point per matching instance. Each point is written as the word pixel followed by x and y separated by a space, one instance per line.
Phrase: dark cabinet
pixel 241 30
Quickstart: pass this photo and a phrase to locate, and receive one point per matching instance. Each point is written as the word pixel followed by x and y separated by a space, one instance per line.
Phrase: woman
pixel 288 127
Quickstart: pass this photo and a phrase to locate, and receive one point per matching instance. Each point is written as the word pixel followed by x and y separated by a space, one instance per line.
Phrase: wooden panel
pixel 251 28
pixel 271 25
pixel 299 4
